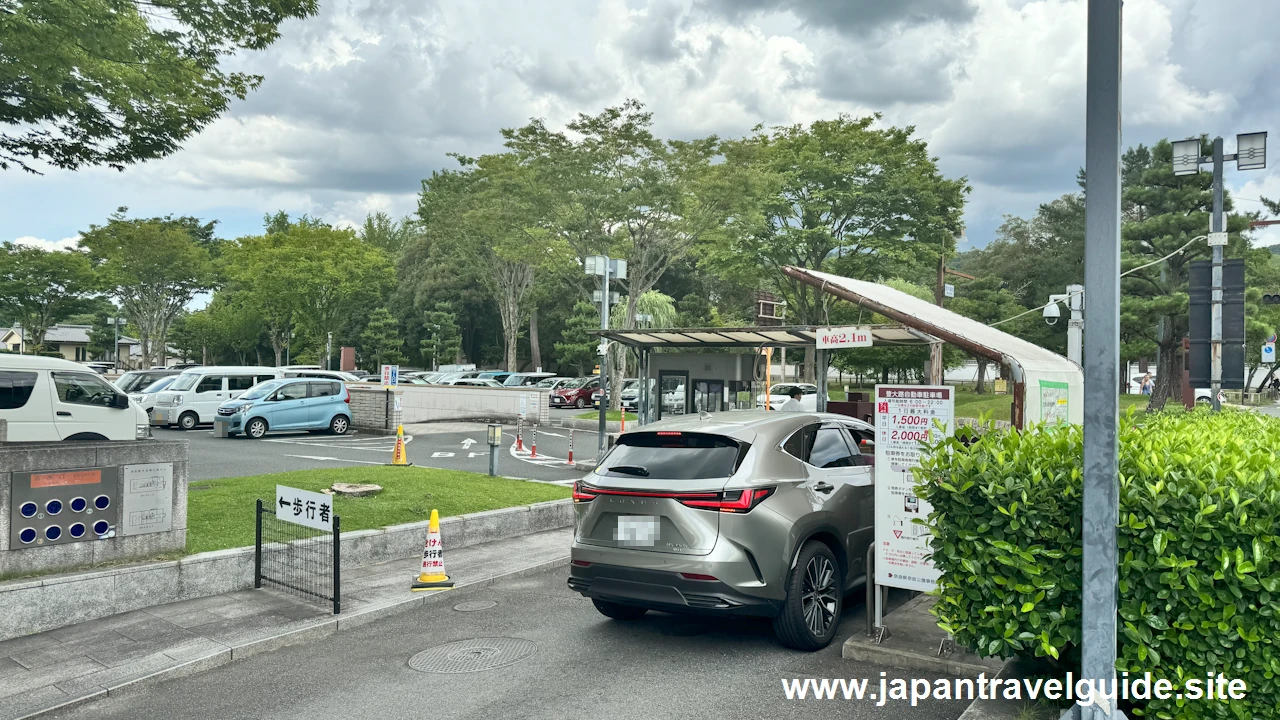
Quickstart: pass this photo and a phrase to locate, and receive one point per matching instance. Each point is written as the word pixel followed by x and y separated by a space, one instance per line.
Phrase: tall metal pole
pixel 604 359
pixel 935 350
pixel 1075 326
pixel 115 349
pixel 1101 348
pixel 1215 225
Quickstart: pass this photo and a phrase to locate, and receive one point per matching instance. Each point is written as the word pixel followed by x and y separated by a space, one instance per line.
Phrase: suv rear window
pixel 674 456
pixel 15 388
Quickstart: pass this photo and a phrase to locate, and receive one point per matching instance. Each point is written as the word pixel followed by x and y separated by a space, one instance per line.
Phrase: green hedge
pixel 1199 514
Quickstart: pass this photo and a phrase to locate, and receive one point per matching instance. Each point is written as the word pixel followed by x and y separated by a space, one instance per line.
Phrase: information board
pixel 148 498
pixel 303 507
pixel 906 415
pixel 390 375
pixel 1055 398
pixel 843 337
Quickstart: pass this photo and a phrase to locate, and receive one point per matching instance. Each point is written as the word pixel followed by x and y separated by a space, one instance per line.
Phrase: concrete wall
pixel 40 604
pixel 35 457
pixel 434 403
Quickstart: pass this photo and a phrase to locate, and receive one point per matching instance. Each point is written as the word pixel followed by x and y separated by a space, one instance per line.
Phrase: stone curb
pixel 293 636
pixel 46 603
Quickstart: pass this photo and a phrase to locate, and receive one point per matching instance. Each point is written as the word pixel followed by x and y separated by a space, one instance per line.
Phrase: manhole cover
pixel 473 655
pixel 474 605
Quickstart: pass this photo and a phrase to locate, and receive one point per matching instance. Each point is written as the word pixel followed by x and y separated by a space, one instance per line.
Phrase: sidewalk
pixel 75 664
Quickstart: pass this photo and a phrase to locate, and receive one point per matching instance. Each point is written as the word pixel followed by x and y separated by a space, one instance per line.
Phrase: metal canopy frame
pixel 644 340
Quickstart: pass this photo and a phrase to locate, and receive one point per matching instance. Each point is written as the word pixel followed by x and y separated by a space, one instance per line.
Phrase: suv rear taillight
pixel 580 495
pixel 730 501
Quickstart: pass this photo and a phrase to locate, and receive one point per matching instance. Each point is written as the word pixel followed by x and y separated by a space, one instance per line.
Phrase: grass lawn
pixel 612 416
pixel 220 512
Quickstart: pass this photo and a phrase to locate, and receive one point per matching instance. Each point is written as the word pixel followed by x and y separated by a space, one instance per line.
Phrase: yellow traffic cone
pixel 398 456
pixel 432 576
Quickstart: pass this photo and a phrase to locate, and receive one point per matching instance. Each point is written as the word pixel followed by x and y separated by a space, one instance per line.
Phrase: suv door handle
pixel 63 413
pixel 823 487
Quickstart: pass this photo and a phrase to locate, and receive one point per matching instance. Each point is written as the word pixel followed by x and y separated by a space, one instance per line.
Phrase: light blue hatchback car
pixel 288 404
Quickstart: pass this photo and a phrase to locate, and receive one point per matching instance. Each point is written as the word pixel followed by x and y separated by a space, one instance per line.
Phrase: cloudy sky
pixel 363 101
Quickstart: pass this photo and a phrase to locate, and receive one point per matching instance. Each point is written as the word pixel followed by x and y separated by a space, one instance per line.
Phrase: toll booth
pixel 702 382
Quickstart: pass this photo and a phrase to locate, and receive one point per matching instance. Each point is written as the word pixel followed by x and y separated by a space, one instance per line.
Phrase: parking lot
pixel 453 446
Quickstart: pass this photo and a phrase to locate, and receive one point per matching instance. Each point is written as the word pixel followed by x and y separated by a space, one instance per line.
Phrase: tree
pixel 391 236
pixel 380 342
pixel 114 82
pixel 838 194
pixel 197 335
pixel 443 341
pixel 1161 216
pixel 38 288
pixel 153 268
pixel 577 346
pixel 986 300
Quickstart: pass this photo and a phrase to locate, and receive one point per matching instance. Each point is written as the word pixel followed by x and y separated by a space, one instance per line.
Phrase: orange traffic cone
pixel 433 576
pixel 399 456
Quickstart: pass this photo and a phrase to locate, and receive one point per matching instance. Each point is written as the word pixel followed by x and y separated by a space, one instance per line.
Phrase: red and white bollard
pixel 533 446
pixel 519 434
pixel 569 462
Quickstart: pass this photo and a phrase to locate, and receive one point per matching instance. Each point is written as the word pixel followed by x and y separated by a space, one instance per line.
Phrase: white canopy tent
pixel 1047 386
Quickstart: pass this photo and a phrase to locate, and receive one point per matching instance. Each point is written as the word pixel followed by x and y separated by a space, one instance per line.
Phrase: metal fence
pixel 296 559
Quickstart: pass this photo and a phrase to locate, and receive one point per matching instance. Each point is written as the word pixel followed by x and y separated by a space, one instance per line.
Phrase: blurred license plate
pixel 636 530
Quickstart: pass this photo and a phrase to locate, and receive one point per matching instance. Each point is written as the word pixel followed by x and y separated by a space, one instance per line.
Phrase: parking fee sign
pixel 303 507
pixel 906 415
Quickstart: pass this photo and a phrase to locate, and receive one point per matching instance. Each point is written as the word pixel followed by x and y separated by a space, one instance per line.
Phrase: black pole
pixel 337 565
pixel 257 546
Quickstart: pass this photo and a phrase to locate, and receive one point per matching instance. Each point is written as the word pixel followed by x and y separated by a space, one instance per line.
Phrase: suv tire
pixel 811 613
pixel 618 611
pixel 188 421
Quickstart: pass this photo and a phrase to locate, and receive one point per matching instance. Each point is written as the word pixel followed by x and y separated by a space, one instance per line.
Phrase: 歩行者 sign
pixel 303 507
pixel 906 416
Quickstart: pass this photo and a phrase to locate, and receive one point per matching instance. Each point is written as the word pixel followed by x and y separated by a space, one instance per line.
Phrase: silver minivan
pixel 746 513
pixel 193 398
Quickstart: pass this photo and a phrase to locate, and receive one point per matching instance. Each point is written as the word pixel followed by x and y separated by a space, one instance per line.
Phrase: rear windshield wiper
pixel 639 470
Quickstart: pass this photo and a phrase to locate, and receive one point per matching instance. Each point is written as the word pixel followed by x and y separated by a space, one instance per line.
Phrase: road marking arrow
pixel 466 444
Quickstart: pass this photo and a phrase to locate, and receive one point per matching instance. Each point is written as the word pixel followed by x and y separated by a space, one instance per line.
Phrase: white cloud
pixel 63 244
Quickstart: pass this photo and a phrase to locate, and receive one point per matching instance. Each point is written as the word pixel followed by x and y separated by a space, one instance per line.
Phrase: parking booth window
pixel 293 391
pixel 82 389
pixel 15 388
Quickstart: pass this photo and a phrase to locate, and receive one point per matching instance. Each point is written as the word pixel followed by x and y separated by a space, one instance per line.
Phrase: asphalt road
pixel 584 666
pixel 455 446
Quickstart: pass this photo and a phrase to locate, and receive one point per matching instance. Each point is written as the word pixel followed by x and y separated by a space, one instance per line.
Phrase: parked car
pixel 629 384
pixel 288 404
pixel 48 399
pixel 102 368
pixel 552 383
pixel 135 380
pixel 321 374
pixel 195 396
pixel 474 382
pixel 755 513
pixel 780 393
pixel 146 398
pixel 526 379
pixel 575 393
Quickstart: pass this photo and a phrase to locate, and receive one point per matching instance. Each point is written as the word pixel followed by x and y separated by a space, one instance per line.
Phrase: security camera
pixel 1051 313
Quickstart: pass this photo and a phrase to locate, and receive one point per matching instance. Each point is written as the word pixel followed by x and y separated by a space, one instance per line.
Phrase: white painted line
pixel 548 432
pixel 334 459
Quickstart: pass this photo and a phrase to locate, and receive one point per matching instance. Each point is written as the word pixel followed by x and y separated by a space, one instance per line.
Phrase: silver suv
pixel 749 513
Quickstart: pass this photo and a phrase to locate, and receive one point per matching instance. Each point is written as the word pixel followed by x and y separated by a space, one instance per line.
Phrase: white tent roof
pixel 1031 364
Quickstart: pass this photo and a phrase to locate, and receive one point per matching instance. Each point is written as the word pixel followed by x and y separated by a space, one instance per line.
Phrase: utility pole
pixel 935 349
pixel 606 268
pixel 1101 511
pixel 328 351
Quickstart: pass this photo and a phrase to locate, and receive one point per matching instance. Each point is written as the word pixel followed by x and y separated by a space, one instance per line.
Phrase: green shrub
pixel 1199 593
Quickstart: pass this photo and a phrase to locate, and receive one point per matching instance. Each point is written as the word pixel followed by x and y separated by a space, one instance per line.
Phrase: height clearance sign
pixel 906 416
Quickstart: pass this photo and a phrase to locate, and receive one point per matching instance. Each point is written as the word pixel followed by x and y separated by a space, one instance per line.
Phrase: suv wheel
pixel 812 609
pixel 618 611
pixel 580 403
pixel 256 428
pixel 188 421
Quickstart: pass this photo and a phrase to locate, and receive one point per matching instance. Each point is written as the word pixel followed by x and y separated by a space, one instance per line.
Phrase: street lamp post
pixel 1251 154
pixel 605 267
pixel 115 349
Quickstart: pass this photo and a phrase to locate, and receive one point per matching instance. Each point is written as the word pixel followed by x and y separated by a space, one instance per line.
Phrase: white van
pixel 194 397
pixel 47 399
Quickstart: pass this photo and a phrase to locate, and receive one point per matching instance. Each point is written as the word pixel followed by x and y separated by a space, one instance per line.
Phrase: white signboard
pixel 524 406
pixel 844 337
pixel 303 507
pixel 905 416
pixel 948 290
pixel 390 375
pixel 399 406
pixel 1217 238
pixel 533 405
pixel 1269 352
pixel 148 498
